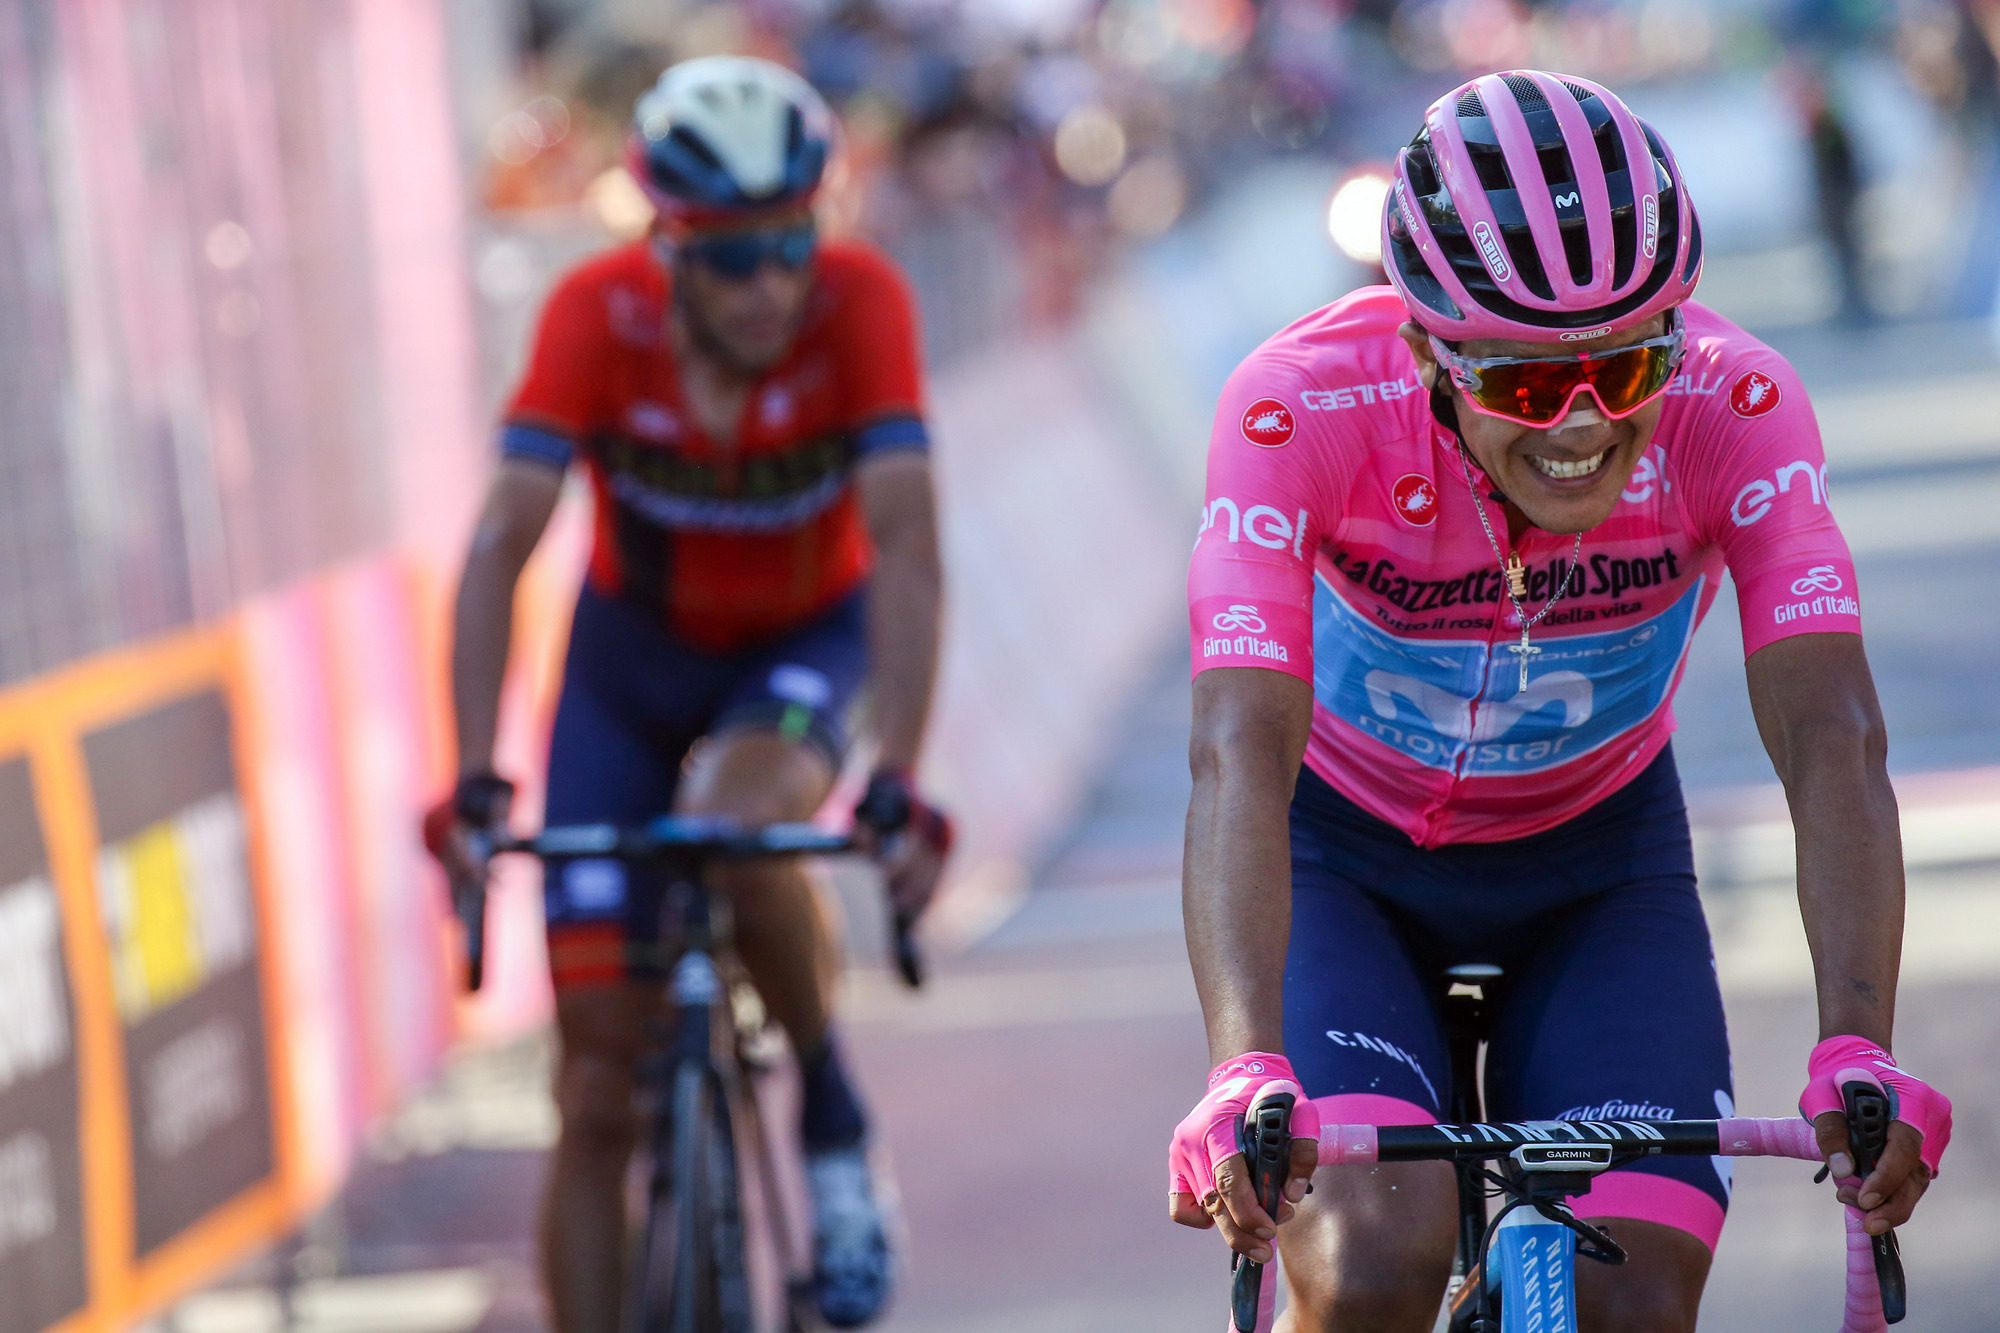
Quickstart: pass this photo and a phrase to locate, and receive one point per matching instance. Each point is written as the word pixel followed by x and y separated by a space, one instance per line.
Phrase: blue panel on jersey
pixel 544 446
pixel 1456 704
pixel 895 433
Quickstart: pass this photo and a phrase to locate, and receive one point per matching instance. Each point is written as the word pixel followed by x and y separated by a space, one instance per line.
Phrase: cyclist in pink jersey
pixel 1458 537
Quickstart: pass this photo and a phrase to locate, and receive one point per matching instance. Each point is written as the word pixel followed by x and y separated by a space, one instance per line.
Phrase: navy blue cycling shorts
pixel 635 699
pixel 1608 1010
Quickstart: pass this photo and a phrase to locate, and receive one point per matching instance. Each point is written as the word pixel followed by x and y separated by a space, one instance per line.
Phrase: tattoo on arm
pixel 1866 990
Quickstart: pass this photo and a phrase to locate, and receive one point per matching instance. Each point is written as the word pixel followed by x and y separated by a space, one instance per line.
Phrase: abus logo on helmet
pixel 1489 246
pixel 1587 333
pixel 1649 236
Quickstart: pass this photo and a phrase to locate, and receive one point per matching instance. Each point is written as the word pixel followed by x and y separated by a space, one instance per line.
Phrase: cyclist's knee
pixel 603 1033
pixel 1372 1250
pixel 755 775
pixel 1657 1290
pixel 1365 1296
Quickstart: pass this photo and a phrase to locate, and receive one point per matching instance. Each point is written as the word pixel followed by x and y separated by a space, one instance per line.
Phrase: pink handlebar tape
pixel 1767 1138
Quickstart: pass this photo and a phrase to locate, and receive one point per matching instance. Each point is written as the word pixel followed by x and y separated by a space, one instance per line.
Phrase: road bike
pixel 691 1270
pixel 1516 1272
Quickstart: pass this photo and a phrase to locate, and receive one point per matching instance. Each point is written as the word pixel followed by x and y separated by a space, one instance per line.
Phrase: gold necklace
pixel 1516 572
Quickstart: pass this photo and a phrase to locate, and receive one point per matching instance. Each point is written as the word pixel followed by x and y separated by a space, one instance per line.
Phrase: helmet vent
pixel 1423 167
pixel 1527 93
pixel 1610 147
pixel 1579 93
pixel 1469 105
pixel 1491 164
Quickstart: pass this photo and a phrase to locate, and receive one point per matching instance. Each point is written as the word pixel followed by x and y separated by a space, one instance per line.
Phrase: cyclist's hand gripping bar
pixel 1868 1118
pixel 1267 1152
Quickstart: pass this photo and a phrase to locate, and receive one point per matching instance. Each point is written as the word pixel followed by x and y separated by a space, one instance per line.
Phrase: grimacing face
pixel 1524 461
pixel 748 322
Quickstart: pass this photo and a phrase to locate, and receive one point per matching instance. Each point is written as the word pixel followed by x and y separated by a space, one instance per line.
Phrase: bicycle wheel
pixel 691 1276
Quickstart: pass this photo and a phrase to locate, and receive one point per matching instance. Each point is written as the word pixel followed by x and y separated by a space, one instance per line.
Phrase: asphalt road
pixel 1025 1099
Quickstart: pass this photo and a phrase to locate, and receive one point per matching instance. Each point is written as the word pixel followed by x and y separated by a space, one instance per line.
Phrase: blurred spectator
pixel 1837 183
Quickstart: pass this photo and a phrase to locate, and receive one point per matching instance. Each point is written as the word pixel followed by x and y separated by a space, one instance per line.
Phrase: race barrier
pixel 220 956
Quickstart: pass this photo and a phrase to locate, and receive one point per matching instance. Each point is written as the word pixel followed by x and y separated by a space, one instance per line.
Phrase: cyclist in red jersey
pixel 746 404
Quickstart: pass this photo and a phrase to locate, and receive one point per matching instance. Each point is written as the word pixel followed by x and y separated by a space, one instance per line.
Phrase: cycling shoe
pixel 851 1267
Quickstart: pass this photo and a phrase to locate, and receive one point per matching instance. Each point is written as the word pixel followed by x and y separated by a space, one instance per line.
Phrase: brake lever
pixel 903 940
pixel 469 901
pixel 1868 1120
pixel 1266 1139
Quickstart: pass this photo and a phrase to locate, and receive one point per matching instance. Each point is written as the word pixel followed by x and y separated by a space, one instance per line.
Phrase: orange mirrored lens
pixel 1535 391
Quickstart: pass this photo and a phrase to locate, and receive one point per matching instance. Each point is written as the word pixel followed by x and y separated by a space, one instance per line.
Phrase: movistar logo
pixel 1570 200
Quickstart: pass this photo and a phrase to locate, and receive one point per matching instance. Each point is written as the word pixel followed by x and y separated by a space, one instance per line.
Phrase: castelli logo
pixel 1268 424
pixel 1416 500
pixel 1489 245
pixel 1649 237
pixel 1753 394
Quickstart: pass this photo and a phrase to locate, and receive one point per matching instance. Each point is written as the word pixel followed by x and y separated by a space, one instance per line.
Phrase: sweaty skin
pixel 1816 709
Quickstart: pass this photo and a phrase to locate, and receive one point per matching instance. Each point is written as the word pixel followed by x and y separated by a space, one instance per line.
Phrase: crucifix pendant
pixel 1525 650
pixel 1517 576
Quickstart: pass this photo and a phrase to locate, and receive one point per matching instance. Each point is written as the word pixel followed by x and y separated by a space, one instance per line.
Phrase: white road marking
pixel 446 1300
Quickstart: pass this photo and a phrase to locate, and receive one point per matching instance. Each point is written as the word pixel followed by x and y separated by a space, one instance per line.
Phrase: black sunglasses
pixel 737 255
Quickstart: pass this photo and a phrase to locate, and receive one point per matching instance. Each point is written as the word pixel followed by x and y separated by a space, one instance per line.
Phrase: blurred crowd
pixel 1004 150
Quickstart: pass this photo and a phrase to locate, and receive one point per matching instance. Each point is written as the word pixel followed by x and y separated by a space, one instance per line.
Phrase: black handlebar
pixel 687 840
pixel 1868 1118
pixel 1266 1137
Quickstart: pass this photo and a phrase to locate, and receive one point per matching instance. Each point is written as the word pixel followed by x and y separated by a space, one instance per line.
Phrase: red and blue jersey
pixel 1342 544
pixel 732 545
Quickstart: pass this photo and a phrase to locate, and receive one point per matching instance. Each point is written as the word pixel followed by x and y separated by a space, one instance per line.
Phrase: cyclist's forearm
pixel 904 599
pixel 482 628
pixel 1817 713
pixel 1850 866
pixel 518 505
pixel 1250 732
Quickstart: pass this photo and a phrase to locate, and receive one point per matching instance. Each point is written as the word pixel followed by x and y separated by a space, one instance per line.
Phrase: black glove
pixel 887 804
pixel 889 807
pixel 482 800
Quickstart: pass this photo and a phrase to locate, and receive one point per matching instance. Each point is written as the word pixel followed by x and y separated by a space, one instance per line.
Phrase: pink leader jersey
pixel 1340 545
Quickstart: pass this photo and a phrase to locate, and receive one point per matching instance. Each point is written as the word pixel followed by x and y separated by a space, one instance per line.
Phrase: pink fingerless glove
pixel 1839 1060
pixel 1208 1135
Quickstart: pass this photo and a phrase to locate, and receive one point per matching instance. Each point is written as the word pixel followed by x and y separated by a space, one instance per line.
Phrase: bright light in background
pixel 228 245
pixel 619 203
pixel 1148 197
pixel 519 135
pixel 1090 146
pixel 1354 218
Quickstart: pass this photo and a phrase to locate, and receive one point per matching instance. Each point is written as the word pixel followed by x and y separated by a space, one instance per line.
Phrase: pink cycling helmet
pixel 1518 213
